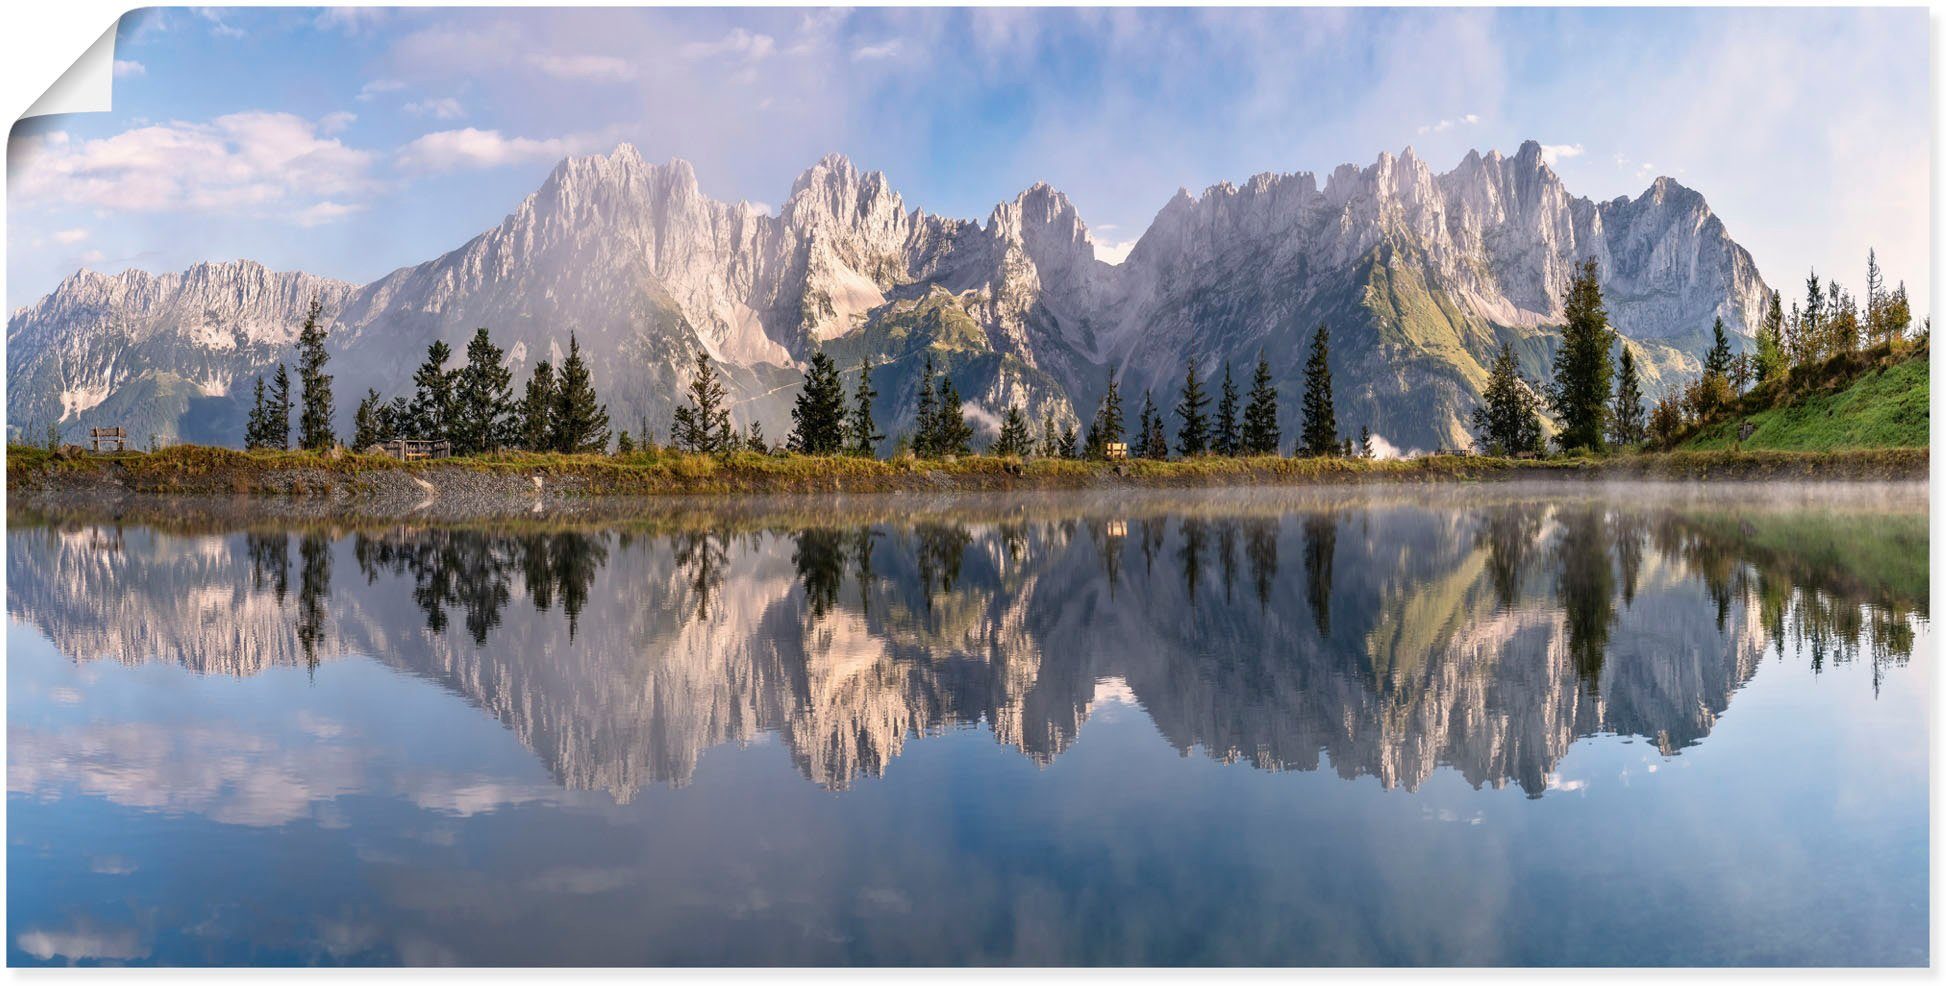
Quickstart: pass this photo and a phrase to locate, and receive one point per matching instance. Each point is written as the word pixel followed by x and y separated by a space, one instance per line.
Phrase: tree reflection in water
pixel 1430 619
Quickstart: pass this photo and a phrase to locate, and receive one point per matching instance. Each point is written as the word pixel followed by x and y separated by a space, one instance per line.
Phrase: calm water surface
pixel 1512 726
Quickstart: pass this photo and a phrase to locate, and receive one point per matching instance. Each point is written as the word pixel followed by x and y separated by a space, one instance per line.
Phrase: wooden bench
pixel 116 437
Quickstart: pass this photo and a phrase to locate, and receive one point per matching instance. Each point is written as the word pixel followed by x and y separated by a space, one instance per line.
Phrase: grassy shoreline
pixel 200 470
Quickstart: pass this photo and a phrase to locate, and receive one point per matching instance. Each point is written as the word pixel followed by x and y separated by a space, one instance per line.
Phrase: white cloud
pixel 377 86
pixel 125 69
pixel 332 123
pixel 590 68
pixel 1556 153
pixel 217 26
pixel 455 150
pixel 1113 253
pixel 82 942
pixel 325 212
pixel 739 42
pixel 70 237
pixel 1464 120
pixel 253 163
pixel 444 108
pixel 350 20
pixel 874 52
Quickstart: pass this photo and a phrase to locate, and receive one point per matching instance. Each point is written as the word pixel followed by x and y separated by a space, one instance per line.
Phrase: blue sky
pixel 349 142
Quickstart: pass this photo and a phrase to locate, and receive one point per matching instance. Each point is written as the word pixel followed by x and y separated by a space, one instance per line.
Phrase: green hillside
pixel 1883 406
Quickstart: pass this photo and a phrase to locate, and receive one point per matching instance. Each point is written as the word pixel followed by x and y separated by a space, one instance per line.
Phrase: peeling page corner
pixel 88 86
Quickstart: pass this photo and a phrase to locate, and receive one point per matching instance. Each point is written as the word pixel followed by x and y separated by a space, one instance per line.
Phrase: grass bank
pixel 200 470
pixel 1875 399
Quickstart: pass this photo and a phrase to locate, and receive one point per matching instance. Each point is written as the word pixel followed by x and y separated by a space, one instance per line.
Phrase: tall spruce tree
pixel 368 425
pixel 925 425
pixel 256 430
pixel 819 414
pixel 483 400
pixel 1260 431
pixel 580 419
pixel 432 400
pixel 277 421
pixel 1583 368
pixel 1144 424
pixel 1507 420
pixel 1629 420
pixel 1875 298
pixel 1365 443
pixel 1107 424
pixel 314 420
pixel 1015 437
pixel 1771 359
pixel 1717 360
pixel 1227 439
pixel 1320 434
pixel 537 410
pixel 703 424
pixel 1192 436
pixel 861 433
pixel 1070 447
pixel 1154 443
pixel 1050 438
pixel 951 435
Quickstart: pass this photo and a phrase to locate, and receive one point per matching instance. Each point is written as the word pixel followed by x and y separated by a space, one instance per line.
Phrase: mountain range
pixel 1421 276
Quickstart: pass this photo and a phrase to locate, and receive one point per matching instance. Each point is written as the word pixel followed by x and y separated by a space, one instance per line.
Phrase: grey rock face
pixel 1421 275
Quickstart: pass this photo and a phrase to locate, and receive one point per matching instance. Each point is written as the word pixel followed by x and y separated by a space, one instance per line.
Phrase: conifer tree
pixel 537 410
pixel 1583 368
pixel 1507 421
pixel 951 434
pixel 925 423
pixel 256 430
pixel 1811 332
pixel 703 424
pixel 432 401
pixel 819 414
pixel 1154 443
pixel 1627 421
pixel 1107 425
pixel 1875 299
pixel 1144 425
pixel 1070 447
pixel 1771 361
pixel 314 421
pixel 1014 436
pixel 1365 443
pixel 368 423
pixel 1717 360
pixel 624 443
pixel 1192 437
pixel 1050 438
pixel 1260 432
pixel 277 422
pixel 483 402
pixel 1320 435
pixel 861 433
pixel 1227 440
pixel 580 419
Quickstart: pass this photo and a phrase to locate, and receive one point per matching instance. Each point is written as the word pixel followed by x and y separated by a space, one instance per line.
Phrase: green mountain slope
pixel 1885 406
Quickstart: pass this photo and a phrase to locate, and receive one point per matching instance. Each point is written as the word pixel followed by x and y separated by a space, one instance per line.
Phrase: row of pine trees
pixel 473 406
pixel 1596 396
pixel 1595 399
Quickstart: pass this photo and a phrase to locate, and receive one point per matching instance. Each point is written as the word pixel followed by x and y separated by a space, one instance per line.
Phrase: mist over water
pixel 1550 725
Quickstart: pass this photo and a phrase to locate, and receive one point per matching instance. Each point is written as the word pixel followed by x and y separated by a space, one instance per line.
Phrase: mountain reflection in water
pixel 1387 637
